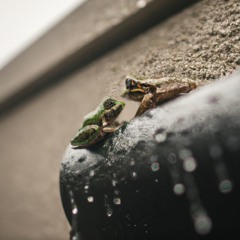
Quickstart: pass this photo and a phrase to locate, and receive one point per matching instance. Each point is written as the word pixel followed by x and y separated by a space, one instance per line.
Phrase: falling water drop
pixel 90 199
pixel 175 170
pixel 134 175
pixel 225 186
pixel 179 189
pixel 117 200
pixel 155 166
pixel 109 210
pixel 189 164
pixel 74 233
pixel 201 220
pixel 132 162
pixel 75 210
pixel 202 224
pixel 91 173
pixel 114 183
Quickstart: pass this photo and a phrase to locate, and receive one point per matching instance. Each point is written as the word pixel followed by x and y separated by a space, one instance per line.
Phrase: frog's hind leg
pixel 148 102
pixel 173 90
pixel 87 136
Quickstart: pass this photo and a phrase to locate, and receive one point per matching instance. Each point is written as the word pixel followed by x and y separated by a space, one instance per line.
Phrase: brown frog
pixel 152 92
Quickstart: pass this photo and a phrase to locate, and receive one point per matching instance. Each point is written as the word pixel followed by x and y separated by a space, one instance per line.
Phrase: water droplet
pixel 116 192
pixel 134 175
pixel 132 162
pixel 90 199
pixel 141 3
pixel 109 212
pixel 189 164
pixel 86 188
pixel 202 224
pixel 179 189
pixel 117 201
pixel 215 151
pixel 160 135
pixel 74 210
pixel 91 173
pixel 74 234
pixel 155 166
pixel 225 186
pixel 114 183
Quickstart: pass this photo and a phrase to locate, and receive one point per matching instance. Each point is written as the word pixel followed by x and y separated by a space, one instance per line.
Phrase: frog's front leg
pixel 87 136
pixel 148 102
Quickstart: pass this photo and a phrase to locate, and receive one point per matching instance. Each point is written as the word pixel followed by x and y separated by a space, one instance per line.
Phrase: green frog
pixel 98 123
pixel 152 92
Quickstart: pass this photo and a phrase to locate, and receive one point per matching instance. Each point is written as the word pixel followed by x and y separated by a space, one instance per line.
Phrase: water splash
pixel 224 183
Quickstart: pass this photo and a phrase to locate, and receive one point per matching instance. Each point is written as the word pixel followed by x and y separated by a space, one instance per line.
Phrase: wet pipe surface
pixel 172 173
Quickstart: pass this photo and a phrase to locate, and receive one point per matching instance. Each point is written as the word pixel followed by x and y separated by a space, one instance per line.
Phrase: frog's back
pixel 94 117
pixel 160 82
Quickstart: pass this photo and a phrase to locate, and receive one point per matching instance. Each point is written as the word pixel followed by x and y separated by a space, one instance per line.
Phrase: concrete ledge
pixel 92 30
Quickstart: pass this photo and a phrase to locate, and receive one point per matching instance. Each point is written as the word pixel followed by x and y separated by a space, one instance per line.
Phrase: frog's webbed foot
pixel 148 102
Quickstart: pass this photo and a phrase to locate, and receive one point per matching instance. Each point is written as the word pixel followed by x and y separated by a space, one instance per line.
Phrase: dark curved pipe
pixel 172 173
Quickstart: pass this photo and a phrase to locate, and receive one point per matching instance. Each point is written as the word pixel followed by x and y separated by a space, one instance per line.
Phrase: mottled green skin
pixel 94 117
pixel 97 123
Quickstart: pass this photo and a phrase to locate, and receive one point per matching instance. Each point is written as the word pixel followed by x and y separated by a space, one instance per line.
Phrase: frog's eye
pixel 130 84
pixel 109 103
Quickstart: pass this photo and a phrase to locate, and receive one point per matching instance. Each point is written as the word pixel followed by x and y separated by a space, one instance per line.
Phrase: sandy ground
pixel 202 42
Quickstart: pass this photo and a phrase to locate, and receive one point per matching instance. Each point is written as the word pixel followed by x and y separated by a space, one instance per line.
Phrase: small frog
pixel 97 123
pixel 152 92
